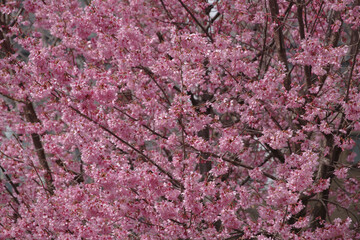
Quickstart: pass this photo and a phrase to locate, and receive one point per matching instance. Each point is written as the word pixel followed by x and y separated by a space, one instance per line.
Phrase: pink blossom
pixel 341 173
pixel 179 119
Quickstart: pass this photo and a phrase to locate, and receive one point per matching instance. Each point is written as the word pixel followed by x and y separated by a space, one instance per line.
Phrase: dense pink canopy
pixel 179 119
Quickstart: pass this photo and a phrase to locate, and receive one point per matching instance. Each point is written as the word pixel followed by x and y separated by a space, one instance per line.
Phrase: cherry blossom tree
pixel 179 119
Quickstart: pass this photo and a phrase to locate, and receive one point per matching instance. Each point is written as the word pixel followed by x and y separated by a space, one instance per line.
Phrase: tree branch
pixel 307 69
pixel 32 118
pixel 279 39
pixel 352 69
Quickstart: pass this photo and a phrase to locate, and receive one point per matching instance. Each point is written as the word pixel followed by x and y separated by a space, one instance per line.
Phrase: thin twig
pixel 166 10
pixel 174 181
pixel 143 125
pixel 9 180
pixel 151 75
pixel 197 21
pixel 317 16
pixel 12 98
